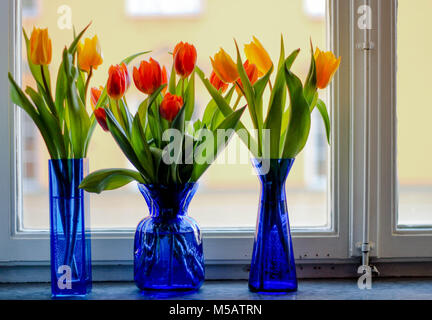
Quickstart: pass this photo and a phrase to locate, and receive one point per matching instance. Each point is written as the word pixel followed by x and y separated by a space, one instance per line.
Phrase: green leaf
pixel 49 121
pixel 250 97
pixel 109 179
pixel 226 110
pixel 142 149
pixel 133 57
pixel 74 45
pixel 325 116
pixel 299 125
pixel 230 123
pixel 190 98
pixel 123 142
pixel 19 98
pixel 311 81
pixel 172 81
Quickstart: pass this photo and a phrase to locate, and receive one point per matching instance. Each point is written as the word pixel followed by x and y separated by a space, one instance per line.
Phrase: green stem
pixel 47 89
pixel 87 84
pixel 237 102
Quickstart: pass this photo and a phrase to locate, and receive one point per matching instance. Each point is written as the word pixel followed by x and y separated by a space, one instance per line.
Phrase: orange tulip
pixel 252 73
pixel 164 78
pixel 95 95
pixel 326 67
pixel 185 57
pixel 224 67
pixel 170 106
pixel 101 118
pixel 257 55
pixel 118 81
pixel 218 83
pixel 148 78
pixel 40 47
pixel 89 54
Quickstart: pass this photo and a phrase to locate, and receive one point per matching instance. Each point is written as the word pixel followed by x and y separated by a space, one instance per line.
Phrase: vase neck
pixel 168 202
pixel 273 174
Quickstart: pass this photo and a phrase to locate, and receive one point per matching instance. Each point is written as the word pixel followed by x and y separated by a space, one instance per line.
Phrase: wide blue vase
pixel 168 253
pixel 70 240
pixel 273 265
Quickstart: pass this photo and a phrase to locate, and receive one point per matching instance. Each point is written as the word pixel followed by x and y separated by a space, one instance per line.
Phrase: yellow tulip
pixel 224 67
pixel 326 66
pixel 89 54
pixel 257 55
pixel 40 47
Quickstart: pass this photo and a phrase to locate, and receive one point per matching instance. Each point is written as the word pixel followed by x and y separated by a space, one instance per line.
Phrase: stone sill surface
pixel 323 289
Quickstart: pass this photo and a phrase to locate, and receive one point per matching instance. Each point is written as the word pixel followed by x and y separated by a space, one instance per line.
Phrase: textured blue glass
pixel 168 251
pixel 273 264
pixel 70 240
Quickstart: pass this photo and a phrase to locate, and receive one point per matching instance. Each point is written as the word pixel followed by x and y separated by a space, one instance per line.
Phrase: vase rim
pixel 168 185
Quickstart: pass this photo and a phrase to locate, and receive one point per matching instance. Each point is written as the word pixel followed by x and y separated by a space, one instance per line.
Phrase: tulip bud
pixel 100 115
pixel 95 95
pixel 257 55
pixel 218 83
pixel 40 47
pixel 326 67
pixel 148 78
pixel 224 67
pixel 170 106
pixel 118 81
pixel 185 57
pixel 89 54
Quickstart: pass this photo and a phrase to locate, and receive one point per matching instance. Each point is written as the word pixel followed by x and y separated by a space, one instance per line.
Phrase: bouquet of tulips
pixel 283 133
pixel 160 140
pixel 61 118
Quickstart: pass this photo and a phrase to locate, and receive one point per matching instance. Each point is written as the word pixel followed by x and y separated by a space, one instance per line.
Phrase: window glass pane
pixel 229 193
pixel 414 113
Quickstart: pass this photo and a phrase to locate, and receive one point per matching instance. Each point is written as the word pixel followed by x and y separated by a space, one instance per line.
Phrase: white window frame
pixel 228 252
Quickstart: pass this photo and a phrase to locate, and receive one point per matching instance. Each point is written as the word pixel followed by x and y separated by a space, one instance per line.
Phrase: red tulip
pixel 218 83
pixel 118 81
pixel 100 115
pixel 170 106
pixel 185 57
pixel 252 73
pixel 148 78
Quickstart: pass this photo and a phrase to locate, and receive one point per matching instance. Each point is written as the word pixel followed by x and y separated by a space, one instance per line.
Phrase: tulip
pixel 326 67
pixel 95 96
pixel 148 78
pixel 100 115
pixel 252 73
pixel 118 81
pixel 164 79
pixel 185 57
pixel 89 54
pixel 257 55
pixel 218 83
pixel 224 67
pixel 170 106
pixel 40 47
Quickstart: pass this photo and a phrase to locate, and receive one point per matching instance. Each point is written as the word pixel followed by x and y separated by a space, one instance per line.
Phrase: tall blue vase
pixel 70 240
pixel 273 265
pixel 168 253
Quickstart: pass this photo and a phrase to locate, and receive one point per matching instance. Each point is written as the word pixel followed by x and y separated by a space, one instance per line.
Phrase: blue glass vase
pixel 168 253
pixel 273 265
pixel 70 240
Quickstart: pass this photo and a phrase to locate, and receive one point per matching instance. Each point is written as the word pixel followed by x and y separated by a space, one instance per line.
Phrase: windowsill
pixel 346 289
